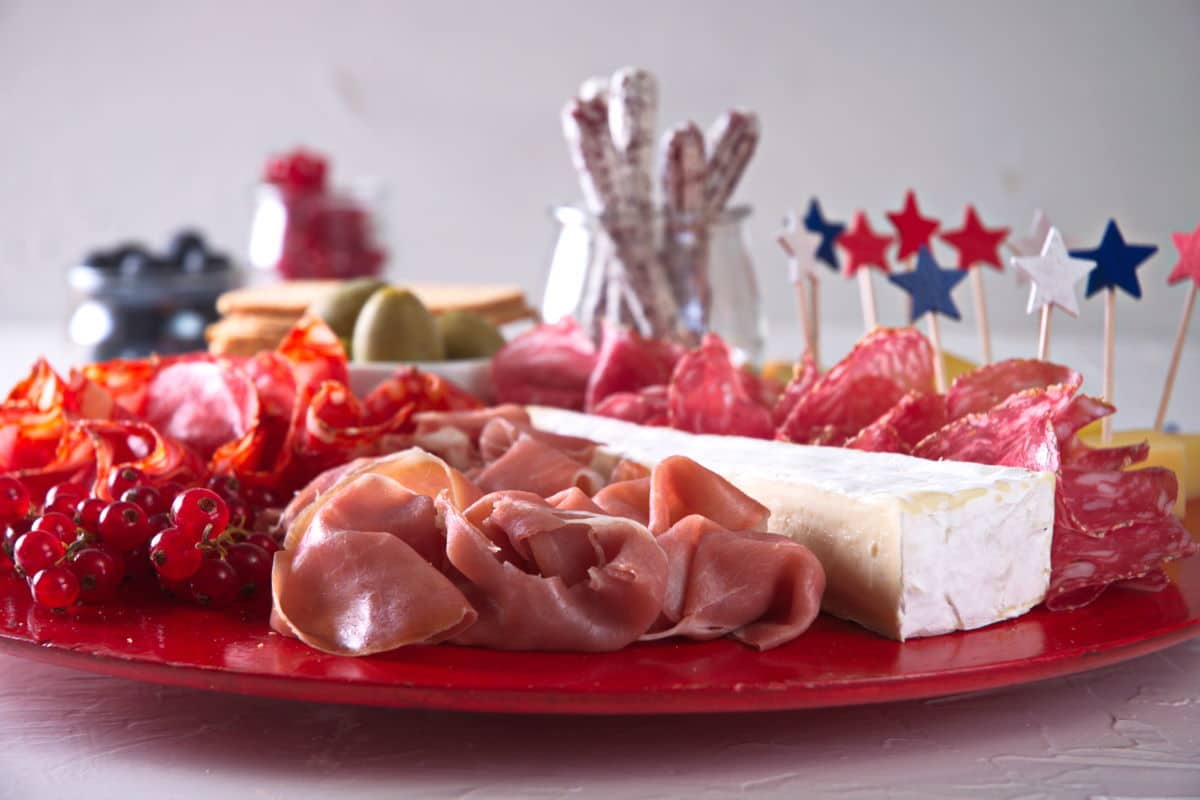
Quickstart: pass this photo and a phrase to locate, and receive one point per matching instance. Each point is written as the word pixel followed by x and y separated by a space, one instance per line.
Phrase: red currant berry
pixel 87 513
pixel 169 491
pixel 253 567
pixel 124 478
pixel 147 497
pixel 37 550
pixel 227 486
pixel 55 587
pixel 14 500
pixel 198 510
pixel 123 526
pixel 15 530
pixel 72 493
pixel 175 555
pixel 264 541
pixel 260 497
pixel 239 515
pixel 160 522
pixel 215 584
pixel 136 562
pixel 99 573
pixel 58 523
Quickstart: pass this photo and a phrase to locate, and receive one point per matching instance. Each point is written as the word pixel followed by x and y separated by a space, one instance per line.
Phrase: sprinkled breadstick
pixel 732 141
pixel 683 173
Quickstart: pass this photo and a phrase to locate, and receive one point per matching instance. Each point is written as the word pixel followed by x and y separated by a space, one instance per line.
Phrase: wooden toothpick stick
pixel 1189 305
pixel 1110 321
pixel 981 314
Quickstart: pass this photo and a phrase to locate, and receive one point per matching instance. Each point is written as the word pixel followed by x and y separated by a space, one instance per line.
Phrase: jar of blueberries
pixel 131 302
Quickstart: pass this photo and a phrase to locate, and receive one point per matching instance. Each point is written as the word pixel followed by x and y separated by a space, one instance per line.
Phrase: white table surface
pixel 1131 730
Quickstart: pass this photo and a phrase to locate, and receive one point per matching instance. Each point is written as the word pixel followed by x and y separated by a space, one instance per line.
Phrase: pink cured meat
pixel 1018 432
pixel 593 583
pixel 804 375
pixel 500 434
pixel 1085 409
pixel 981 389
pixel 628 362
pixel 648 406
pixel 574 499
pixel 630 499
pixel 532 465
pixel 830 414
pixel 901 354
pixel 549 365
pixel 906 423
pixel 708 394
pixel 203 404
pixel 680 487
pixel 454 435
pixel 360 580
pixel 877 438
pixel 711 593
pixel 1099 502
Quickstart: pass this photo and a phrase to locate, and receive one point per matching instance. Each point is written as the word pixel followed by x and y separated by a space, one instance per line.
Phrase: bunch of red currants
pixel 201 542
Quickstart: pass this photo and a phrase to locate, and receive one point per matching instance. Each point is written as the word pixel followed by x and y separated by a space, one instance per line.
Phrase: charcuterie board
pixel 834 663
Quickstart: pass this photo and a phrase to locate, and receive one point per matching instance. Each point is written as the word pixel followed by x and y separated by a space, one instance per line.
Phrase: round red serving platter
pixel 834 663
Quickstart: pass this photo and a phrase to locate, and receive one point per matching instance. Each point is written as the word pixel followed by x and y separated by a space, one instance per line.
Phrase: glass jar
pixel 707 263
pixel 327 234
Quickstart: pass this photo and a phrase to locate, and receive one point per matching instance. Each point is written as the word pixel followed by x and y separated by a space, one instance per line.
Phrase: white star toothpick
pixel 801 245
pixel 1031 243
pixel 1054 275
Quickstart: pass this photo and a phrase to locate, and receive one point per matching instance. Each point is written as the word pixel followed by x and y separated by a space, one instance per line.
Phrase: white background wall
pixel 127 119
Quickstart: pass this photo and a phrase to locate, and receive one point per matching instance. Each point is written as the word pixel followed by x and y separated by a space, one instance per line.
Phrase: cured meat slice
pixel 410 391
pixel 1018 432
pixel 532 465
pixel 499 435
pixel 201 403
pixel 711 591
pixel 804 375
pixel 360 581
pixel 628 362
pixel 709 394
pixel 877 437
pixel 413 469
pixel 1100 502
pixel 593 583
pixel 981 389
pixel 680 487
pixel 901 354
pixel 1082 411
pixel 627 470
pixel 649 406
pixel 549 365
pixel 454 435
pixel 574 499
pixel 629 499
pixel 832 413
pixel 901 427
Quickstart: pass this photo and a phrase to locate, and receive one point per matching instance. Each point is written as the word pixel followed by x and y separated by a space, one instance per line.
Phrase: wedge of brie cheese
pixel 910 547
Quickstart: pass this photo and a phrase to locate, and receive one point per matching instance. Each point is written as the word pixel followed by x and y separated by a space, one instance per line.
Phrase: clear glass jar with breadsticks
pixel 673 266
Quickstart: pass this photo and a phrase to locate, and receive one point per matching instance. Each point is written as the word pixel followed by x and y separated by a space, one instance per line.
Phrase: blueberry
pixel 185 242
pixel 133 260
pixel 192 260
pixel 217 262
pixel 102 259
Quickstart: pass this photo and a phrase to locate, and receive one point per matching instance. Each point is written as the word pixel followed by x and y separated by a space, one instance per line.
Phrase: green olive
pixel 340 307
pixel 395 326
pixel 468 335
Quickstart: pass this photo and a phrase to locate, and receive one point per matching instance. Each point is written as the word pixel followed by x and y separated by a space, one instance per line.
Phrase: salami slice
pixel 832 413
pixel 646 407
pixel 708 394
pixel 901 427
pixel 877 438
pixel 201 403
pixel 982 389
pixel 628 363
pixel 1018 432
pixel 549 365
pixel 901 354
pixel 804 375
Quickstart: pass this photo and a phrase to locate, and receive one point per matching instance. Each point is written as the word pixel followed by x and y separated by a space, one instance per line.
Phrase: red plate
pixel 835 663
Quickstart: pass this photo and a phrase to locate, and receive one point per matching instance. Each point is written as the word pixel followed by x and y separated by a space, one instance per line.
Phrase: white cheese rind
pixel 910 547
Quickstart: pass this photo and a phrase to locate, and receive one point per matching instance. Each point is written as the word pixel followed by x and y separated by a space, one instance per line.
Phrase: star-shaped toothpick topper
pixel 815 222
pixel 913 230
pixel 864 247
pixel 801 246
pixel 1054 274
pixel 929 286
pixel 976 244
pixel 1116 262
pixel 1031 243
pixel 1188 266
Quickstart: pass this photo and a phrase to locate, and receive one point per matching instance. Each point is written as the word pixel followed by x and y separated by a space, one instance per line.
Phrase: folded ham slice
pixel 533 465
pixel 591 583
pixel 364 577
pixel 454 435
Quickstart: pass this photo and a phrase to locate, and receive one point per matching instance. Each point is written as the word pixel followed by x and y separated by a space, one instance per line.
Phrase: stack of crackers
pixel 258 317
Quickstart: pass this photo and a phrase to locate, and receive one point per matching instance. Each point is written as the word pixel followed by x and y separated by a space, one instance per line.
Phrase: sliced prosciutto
pixel 533 465
pixel 586 583
pixel 363 578
pixel 762 588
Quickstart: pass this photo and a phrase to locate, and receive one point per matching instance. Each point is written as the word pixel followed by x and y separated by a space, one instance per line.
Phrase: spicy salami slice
pixel 549 365
pixel 708 394
pixel 982 389
pixel 1019 432
pixel 901 354
pixel 804 375
pixel 831 413
pixel 628 363
pixel 903 425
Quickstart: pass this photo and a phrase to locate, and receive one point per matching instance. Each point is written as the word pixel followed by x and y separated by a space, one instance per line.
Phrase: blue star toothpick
pixel 1116 262
pixel 929 286
pixel 815 222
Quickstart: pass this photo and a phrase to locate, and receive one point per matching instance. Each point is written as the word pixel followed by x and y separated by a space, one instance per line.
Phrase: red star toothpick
pixel 976 244
pixel 1188 266
pixel 864 247
pixel 914 231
